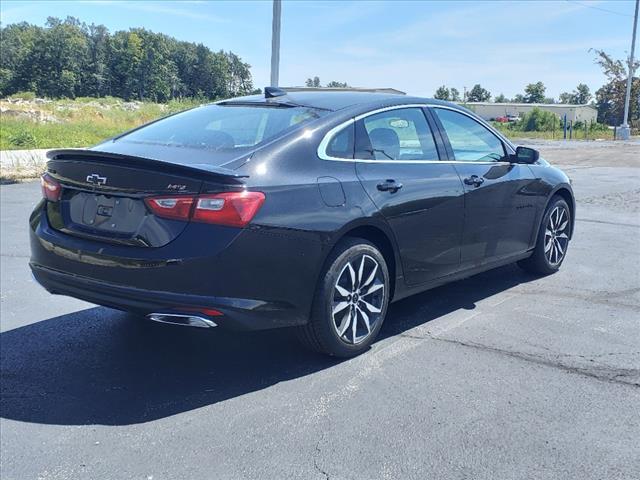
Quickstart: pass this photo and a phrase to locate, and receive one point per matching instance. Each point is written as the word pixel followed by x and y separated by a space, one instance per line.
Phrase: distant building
pixel 574 113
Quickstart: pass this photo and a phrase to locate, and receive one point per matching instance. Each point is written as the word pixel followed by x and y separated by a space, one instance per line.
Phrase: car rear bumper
pixel 237 313
pixel 262 278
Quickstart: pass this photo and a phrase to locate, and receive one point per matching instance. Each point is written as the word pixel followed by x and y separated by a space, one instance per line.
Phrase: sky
pixel 414 46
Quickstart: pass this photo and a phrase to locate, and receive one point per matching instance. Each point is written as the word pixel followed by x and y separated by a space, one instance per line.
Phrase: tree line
pixel 608 100
pixel 68 58
pixel 533 93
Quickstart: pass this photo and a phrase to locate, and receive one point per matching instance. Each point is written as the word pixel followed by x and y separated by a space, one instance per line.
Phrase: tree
pixel 334 84
pixel 534 93
pixel 611 96
pixel 442 93
pixel 478 94
pixel 583 94
pixel 566 97
pixel 313 82
pixel 455 95
pixel 538 120
pixel 66 58
pixel 580 96
pixel 500 99
pixel 519 98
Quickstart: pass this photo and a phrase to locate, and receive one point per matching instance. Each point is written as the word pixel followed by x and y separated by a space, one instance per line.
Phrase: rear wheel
pixel 351 302
pixel 553 239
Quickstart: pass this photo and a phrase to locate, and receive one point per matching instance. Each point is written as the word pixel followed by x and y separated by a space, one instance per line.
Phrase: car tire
pixel 553 239
pixel 351 300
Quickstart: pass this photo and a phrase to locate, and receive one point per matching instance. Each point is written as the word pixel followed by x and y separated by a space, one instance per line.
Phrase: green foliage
pixel 534 93
pixel 442 93
pixel 23 139
pixel 67 58
pixel 610 98
pixel 538 120
pixel 478 94
pixel 82 122
pixel 23 96
pixel 580 96
pixel 315 83
pixel 501 99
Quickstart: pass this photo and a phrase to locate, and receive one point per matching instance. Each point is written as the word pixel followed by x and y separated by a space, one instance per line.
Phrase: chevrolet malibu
pixel 304 209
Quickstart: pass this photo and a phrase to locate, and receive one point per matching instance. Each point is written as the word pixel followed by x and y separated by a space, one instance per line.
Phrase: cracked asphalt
pixel 500 376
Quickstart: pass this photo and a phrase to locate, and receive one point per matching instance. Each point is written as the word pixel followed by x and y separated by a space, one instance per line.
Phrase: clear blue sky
pixel 414 46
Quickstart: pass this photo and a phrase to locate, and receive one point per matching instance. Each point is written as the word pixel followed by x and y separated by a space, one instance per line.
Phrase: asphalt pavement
pixel 500 376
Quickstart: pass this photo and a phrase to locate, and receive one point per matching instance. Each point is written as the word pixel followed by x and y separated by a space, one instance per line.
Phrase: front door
pixel 500 201
pixel 421 198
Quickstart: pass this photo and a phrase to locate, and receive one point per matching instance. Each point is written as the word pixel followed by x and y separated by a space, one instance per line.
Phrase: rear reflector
pixel 51 189
pixel 234 209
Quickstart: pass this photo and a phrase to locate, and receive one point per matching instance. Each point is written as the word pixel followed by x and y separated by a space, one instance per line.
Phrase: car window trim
pixel 322 147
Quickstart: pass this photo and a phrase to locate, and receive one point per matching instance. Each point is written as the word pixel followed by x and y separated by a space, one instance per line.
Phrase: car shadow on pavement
pixel 100 366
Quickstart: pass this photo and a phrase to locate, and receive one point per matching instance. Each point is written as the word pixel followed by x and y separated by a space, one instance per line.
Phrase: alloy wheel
pixel 556 238
pixel 358 299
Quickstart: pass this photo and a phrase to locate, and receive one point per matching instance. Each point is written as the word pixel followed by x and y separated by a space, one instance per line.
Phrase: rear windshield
pixel 218 127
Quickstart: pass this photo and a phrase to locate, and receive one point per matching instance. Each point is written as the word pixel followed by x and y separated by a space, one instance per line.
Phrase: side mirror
pixel 526 155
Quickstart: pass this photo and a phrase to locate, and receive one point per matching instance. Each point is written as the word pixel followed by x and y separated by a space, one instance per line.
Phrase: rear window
pixel 226 127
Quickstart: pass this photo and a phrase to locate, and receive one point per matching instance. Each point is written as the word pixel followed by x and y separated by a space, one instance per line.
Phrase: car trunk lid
pixel 103 194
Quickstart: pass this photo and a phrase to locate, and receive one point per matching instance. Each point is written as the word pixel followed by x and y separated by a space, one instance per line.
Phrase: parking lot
pixel 500 376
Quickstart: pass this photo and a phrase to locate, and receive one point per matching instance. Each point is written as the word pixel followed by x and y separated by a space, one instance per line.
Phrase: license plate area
pixel 107 213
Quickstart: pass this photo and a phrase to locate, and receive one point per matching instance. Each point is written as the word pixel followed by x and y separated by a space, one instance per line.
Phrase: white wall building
pixel 574 113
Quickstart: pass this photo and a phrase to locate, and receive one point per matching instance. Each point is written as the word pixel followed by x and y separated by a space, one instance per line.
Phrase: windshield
pixel 228 128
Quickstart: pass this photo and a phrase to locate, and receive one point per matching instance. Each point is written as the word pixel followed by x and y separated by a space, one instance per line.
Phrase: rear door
pixel 499 202
pixel 397 162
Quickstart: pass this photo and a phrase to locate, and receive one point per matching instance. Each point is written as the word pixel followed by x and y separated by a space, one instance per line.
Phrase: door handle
pixel 389 185
pixel 474 180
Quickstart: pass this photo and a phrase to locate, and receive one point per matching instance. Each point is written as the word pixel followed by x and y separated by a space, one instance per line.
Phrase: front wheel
pixel 351 302
pixel 553 239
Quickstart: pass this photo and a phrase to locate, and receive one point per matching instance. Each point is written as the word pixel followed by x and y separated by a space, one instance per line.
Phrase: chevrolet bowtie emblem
pixel 96 179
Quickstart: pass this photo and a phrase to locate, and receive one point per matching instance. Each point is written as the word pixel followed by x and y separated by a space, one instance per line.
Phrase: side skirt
pixel 415 289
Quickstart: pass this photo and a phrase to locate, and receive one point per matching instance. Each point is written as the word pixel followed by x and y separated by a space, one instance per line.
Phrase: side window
pixel 341 144
pixel 470 141
pixel 400 134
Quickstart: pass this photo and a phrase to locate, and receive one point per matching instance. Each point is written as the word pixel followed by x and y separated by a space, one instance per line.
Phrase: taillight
pixel 51 189
pixel 234 209
pixel 175 208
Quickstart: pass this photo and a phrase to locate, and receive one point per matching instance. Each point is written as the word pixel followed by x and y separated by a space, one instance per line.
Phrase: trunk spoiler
pixel 203 170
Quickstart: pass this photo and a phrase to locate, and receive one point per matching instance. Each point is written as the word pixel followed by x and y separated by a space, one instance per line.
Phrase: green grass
pixel 578 133
pixel 80 123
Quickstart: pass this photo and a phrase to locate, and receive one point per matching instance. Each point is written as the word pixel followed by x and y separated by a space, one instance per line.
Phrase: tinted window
pixel 469 140
pixel 341 144
pixel 223 127
pixel 401 134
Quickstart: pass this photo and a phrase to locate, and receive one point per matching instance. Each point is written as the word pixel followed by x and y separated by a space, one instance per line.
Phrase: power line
pixel 600 8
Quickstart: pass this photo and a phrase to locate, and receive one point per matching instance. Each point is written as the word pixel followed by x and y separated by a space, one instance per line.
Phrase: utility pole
pixel 625 131
pixel 275 42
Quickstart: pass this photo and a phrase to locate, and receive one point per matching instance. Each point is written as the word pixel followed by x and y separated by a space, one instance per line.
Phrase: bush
pixel 23 139
pixel 538 120
pixel 23 95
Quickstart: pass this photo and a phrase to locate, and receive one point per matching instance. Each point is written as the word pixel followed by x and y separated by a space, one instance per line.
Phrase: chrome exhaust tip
pixel 184 320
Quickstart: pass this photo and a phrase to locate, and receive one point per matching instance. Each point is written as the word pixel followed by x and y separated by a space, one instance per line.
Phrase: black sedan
pixel 304 209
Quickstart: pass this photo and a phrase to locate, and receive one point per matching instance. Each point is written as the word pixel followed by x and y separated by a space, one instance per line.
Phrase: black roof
pixel 333 100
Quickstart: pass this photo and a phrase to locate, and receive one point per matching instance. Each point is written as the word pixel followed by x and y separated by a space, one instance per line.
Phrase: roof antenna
pixel 271 92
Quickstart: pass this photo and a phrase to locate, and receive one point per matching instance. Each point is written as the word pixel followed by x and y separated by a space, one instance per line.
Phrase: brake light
pixel 234 209
pixel 51 188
